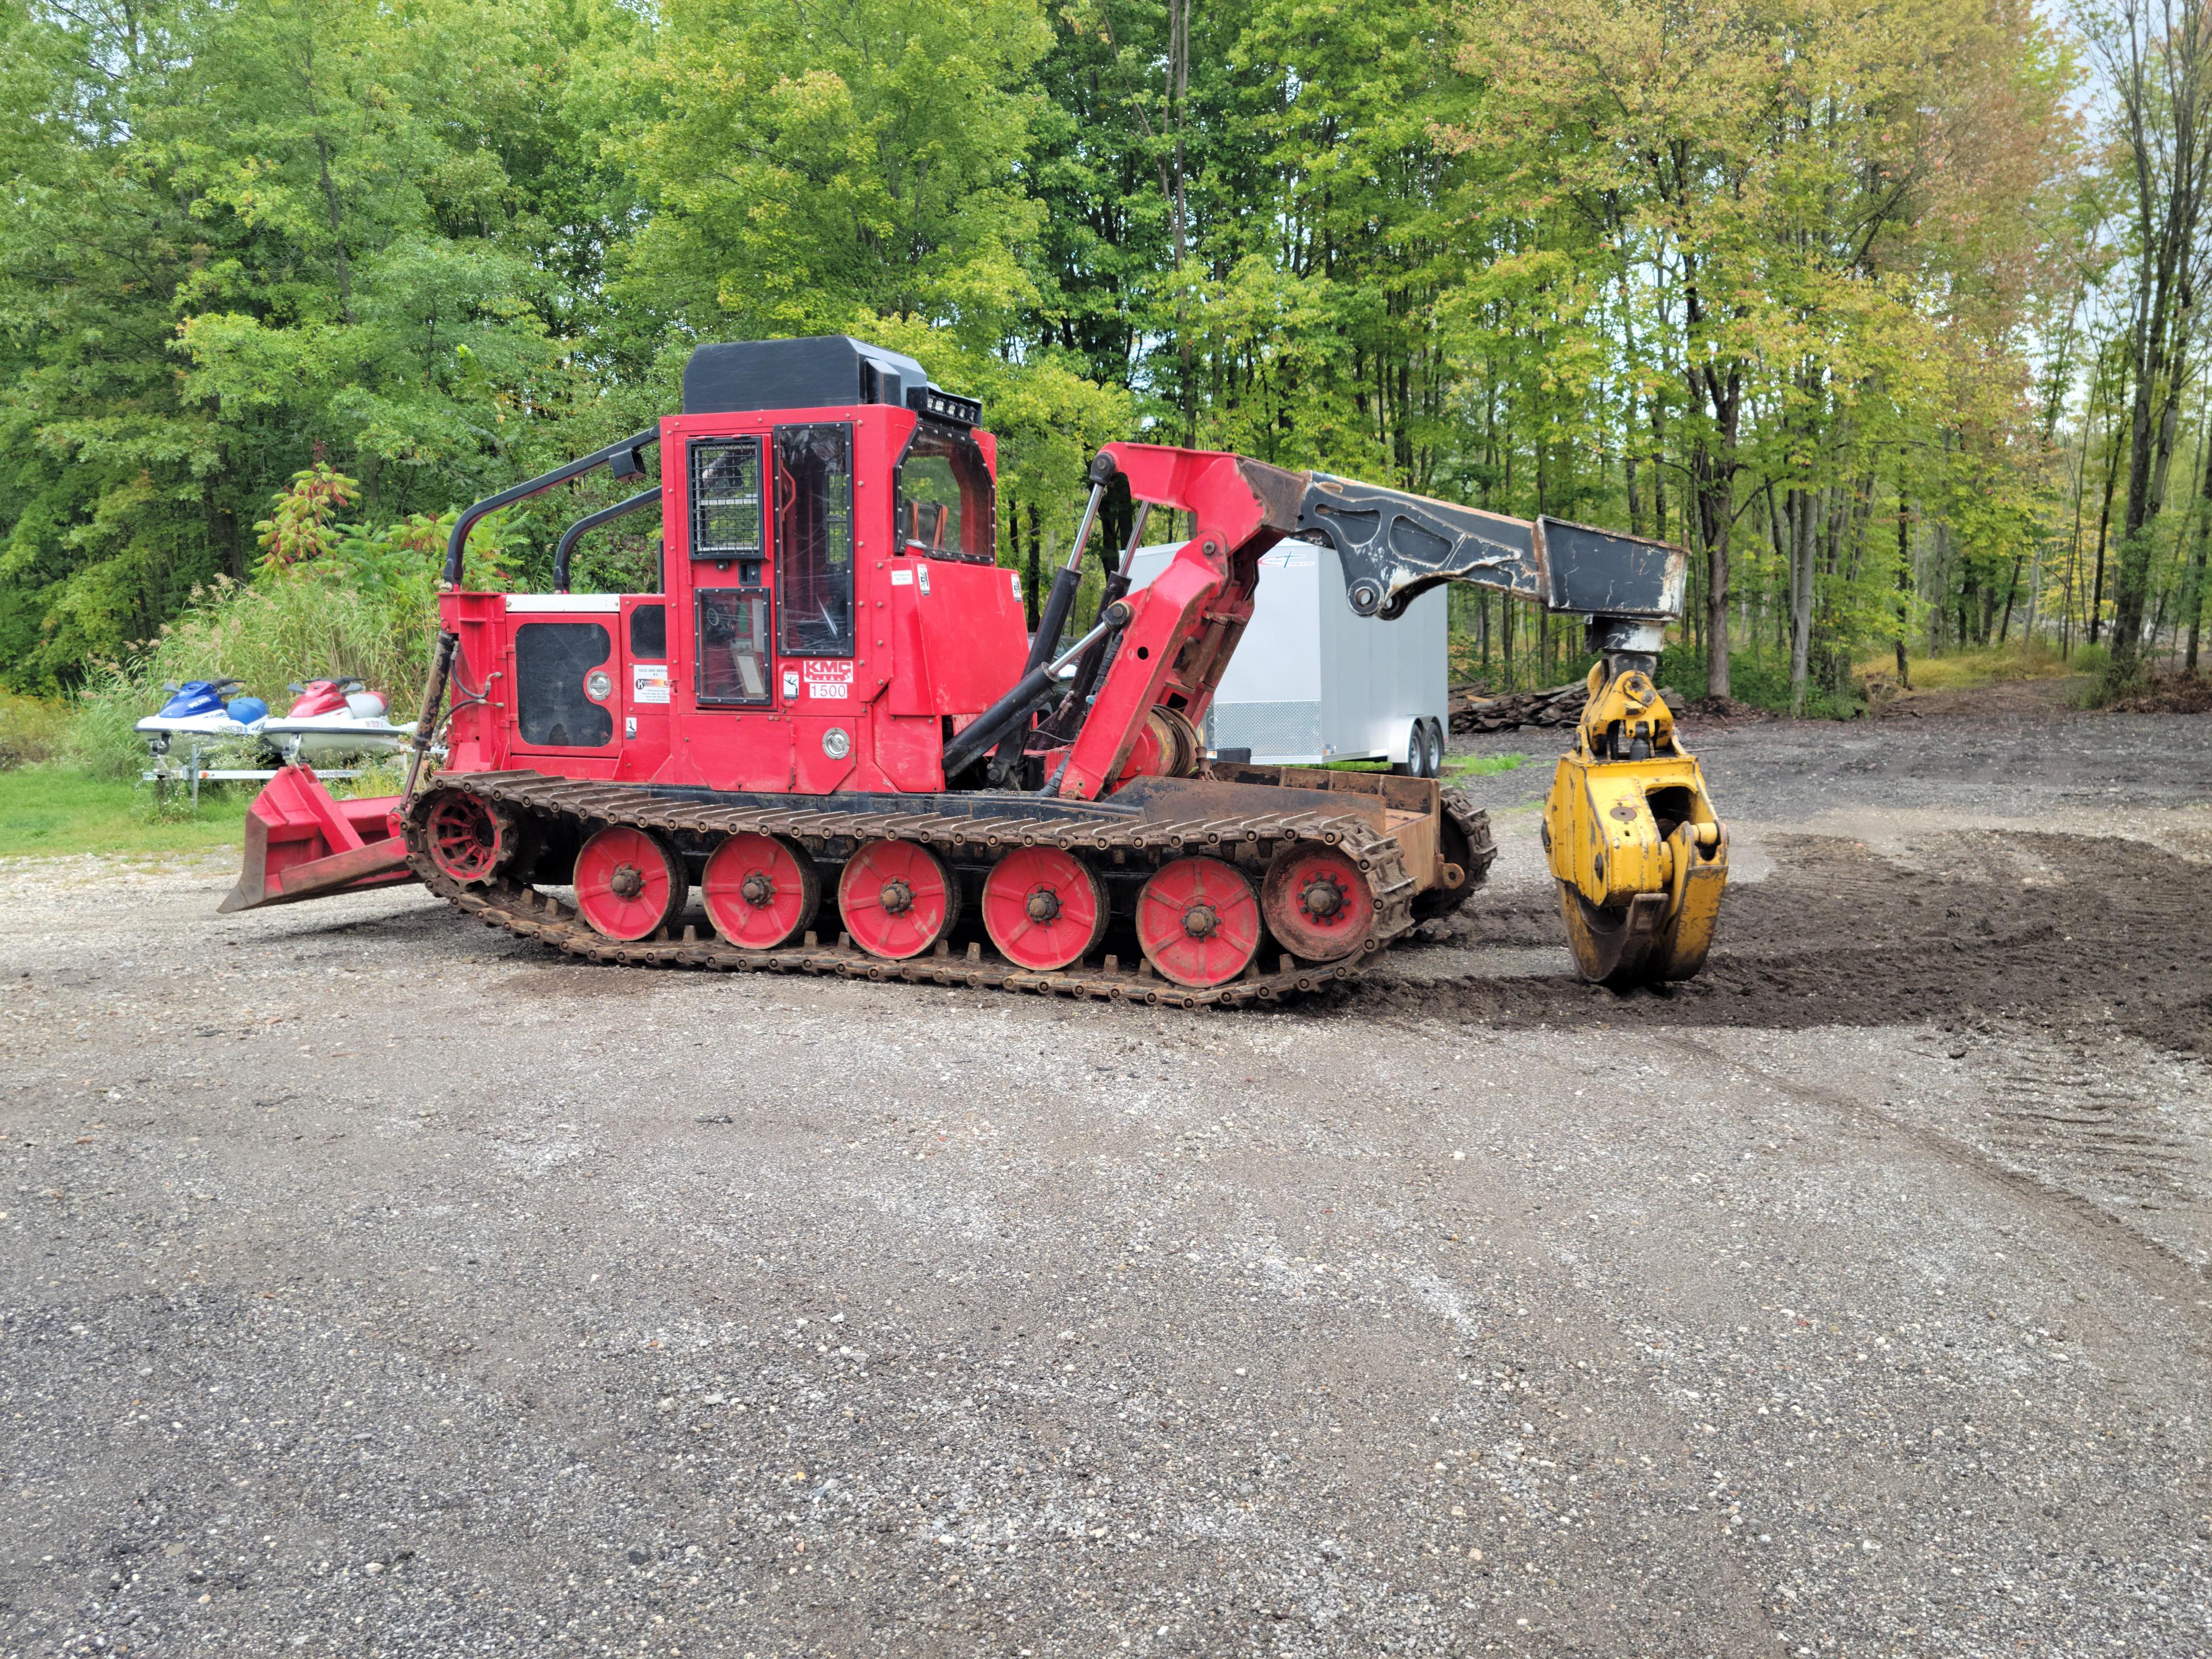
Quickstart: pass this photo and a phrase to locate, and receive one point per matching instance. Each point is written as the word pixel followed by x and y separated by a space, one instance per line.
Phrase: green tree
pixel 814 168
pixel 243 236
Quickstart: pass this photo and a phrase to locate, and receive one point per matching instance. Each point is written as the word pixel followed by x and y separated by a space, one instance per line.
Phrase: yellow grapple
pixel 1640 857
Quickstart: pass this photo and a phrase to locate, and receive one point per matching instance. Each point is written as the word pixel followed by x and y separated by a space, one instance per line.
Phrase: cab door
pixel 821 653
pixel 743 740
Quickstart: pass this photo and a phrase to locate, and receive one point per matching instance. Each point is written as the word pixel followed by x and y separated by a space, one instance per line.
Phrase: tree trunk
pixel 2104 523
pixel 1801 581
pixel 1178 91
pixel 1904 579
pixel 1035 588
pixel 2161 61
pixel 1712 469
pixel 2195 603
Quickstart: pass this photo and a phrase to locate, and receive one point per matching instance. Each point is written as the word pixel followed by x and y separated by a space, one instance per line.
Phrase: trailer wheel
pixel 1421 761
pixel 629 884
pixel 897 898
pixel 1434 767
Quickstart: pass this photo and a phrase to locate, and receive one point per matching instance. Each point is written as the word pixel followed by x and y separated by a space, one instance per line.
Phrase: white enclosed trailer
pixel 1312 682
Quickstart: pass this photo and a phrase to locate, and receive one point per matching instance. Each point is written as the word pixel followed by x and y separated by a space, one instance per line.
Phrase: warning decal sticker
pixel 648 682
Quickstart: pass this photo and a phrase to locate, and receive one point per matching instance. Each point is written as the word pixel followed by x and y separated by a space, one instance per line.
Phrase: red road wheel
pixel 630 884
pixel 468 840
pixel 897 898
pixel 1043 908
pixel 1317 903
pixel 1198 922
pixel 760 891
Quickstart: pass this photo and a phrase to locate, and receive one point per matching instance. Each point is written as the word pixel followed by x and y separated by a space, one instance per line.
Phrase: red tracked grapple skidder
pixel 832 727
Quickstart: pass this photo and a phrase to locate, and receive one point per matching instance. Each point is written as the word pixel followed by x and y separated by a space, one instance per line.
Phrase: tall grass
pixel 1988 665
pixel 32 730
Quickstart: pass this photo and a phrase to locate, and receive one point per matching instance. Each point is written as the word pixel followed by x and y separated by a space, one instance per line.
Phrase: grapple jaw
pixel 1640 856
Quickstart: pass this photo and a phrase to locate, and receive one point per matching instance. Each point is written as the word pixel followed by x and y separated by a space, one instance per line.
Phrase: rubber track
pixel 527 913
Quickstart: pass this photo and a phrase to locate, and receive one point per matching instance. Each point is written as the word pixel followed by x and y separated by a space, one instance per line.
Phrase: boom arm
pixel 1394 546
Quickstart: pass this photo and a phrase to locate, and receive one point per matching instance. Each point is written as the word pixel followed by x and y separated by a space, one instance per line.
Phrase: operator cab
pixel 832 608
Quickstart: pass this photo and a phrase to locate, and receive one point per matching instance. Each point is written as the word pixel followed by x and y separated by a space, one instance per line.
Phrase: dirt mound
pixel 2169 694
pixel 2059 930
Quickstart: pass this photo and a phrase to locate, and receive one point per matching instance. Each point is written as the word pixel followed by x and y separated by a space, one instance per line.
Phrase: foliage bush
pixel 2095 660
pixel 32 730
pixel 1754 678
pixel 329 598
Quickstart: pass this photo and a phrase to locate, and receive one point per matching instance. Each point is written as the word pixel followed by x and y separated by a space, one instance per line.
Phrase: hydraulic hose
pixel 1117 586
pixel 434 695
pixel 1031 689
pixel 1061 600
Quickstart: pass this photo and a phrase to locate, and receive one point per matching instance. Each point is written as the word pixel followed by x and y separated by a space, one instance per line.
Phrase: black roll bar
pixel 622 460
pixel 590 521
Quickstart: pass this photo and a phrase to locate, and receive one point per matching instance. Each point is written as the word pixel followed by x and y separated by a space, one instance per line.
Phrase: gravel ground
pixel 373 1283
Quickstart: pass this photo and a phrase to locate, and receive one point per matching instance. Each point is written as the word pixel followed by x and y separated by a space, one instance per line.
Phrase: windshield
pixel 944 497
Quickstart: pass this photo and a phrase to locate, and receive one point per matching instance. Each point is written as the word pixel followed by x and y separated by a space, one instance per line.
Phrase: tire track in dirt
pixel 2182 1280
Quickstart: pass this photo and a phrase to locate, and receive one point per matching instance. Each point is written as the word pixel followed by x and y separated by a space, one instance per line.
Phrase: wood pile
pixel 1471 711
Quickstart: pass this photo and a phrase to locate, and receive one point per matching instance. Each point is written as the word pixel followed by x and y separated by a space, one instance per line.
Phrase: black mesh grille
pixel 550 661
pixel 725 498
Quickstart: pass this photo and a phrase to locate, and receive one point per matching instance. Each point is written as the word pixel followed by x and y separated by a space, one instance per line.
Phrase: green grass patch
pixel 1482 766
pixel 1464 766
pixel 48 812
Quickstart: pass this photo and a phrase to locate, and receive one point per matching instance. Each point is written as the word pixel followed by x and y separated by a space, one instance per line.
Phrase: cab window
pixel 734 645
pixel 944 503
pixel 814 538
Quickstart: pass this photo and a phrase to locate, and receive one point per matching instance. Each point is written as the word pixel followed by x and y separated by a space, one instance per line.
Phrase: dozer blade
pixel 301 842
